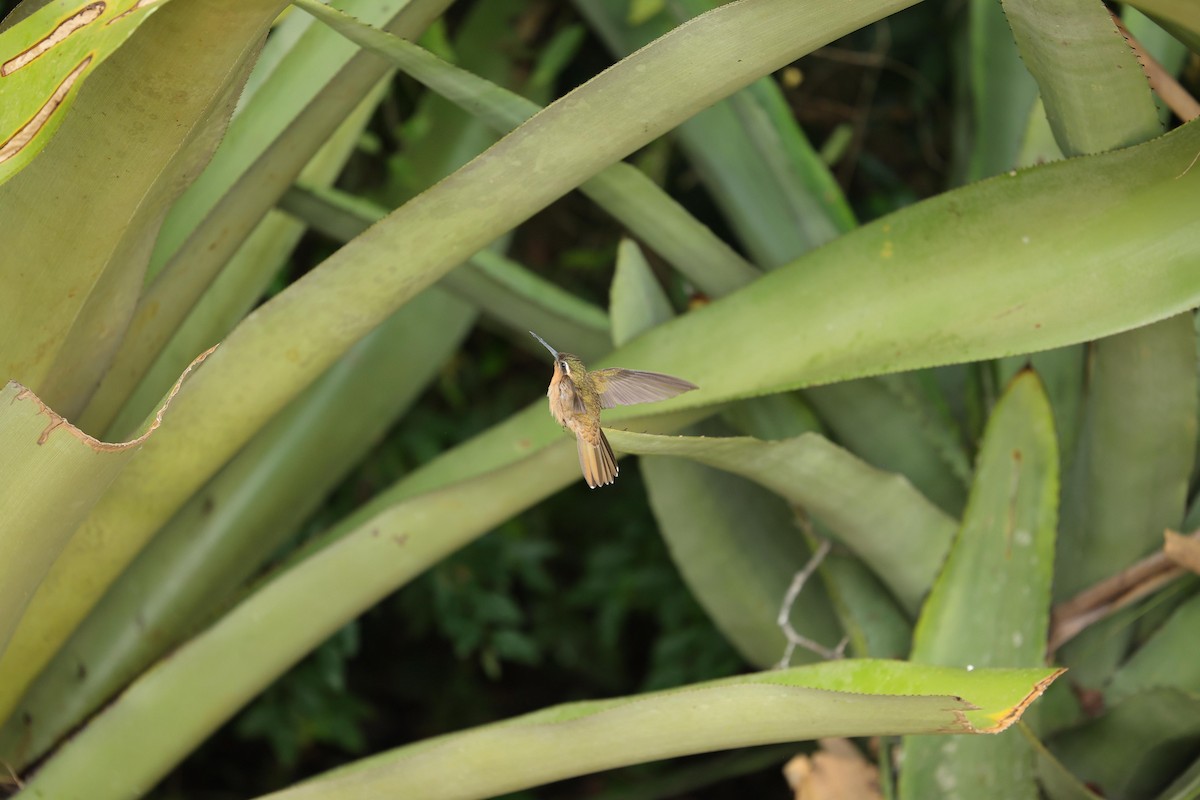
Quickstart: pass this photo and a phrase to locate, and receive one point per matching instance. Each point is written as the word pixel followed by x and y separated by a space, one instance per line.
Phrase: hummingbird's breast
pixel 567 405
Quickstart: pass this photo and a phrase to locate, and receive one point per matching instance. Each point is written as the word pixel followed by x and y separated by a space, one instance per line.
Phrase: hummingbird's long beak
pixel 553 352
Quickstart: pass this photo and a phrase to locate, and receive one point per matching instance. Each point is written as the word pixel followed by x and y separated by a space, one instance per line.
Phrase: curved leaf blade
pixel 999 570
pixel 839 698
pixel 889 524
pixel 54 474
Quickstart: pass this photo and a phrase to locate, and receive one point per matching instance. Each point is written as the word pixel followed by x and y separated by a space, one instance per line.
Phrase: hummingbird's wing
pixel 623 387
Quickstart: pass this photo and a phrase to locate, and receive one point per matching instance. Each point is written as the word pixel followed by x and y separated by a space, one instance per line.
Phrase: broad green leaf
pixel 501 288
pixel 1061 372
pixel 1182 13
pixel 1001 93
pixel 773 416
pixel 1130 475
pixel 1134 749
pixel 943 294
pixel 1164 660
pixel 247 185
pixel 54 474
pixel 44 60
pixel 288 80
pixel 58 336
pixel 888 524
pixel 620 189
pixel 893 423
pixel 1055 780
pixel 174 705
pixel 638 302
pixel 1038 146
pixel 774 189
pixel 870 615
pixel 737 547
pixel 235 523
pixel 840 698
pixel 999 569
pixel 244 279
pixel 1095 93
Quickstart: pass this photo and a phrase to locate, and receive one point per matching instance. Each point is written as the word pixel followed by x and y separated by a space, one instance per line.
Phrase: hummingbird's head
pixel 569 364
pixel 564 363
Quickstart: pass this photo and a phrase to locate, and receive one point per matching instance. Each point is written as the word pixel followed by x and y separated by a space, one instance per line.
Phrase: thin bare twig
pixel 1183 550
pixel 1112 594
pixel 794 639
pixel 13 779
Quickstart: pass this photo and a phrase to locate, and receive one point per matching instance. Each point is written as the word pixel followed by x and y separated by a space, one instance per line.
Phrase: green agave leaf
pixel 1182 13
pixel 281 348
pixel 1055 780
pixel 1095 93
pixel 841 698
pixel 174 705
pixel 888 524
pixel 243 281
pixel 1062 373
pixel 983 279
pixel 769 182
pixel 892 422
pixel 235 523
pixel 737 547
pixel 638 302
pixel 869 614
pixel 620 189
pixel 1135 748
pixel 54 474
pixel 58 336
pixel 1164 661
pixel 46 58
pixel 1130 476
pixel 1002 92
pixel 773 416
pixel 285 83
pixel 227 206
pixel 1038 145
pixel 999 569
pixel 500 287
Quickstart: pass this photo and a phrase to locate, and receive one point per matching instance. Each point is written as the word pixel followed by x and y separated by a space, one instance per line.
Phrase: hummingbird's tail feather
pixel 597 461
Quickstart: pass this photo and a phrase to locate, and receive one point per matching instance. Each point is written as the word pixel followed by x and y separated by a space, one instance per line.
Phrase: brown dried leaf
pixel 835 772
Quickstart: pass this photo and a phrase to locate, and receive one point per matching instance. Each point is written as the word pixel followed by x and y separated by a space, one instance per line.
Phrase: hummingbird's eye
pixel 565 367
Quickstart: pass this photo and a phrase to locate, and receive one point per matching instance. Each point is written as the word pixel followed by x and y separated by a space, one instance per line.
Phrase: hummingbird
pixel 577 395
